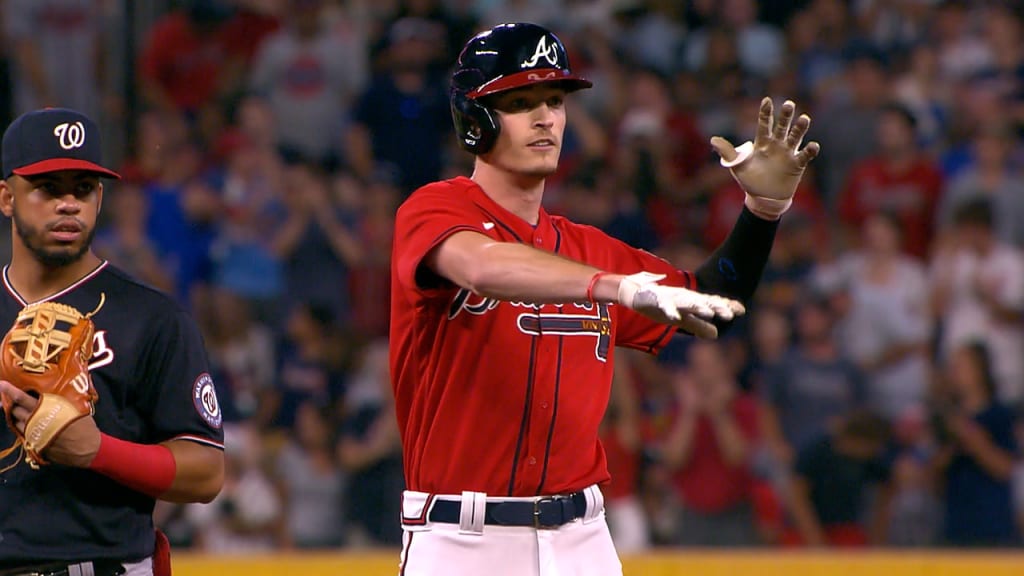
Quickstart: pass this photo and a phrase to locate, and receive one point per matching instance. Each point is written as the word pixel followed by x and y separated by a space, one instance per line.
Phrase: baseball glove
pixel 46 353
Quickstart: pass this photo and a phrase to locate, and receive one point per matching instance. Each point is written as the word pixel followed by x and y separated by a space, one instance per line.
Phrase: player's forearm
pixel 735 267
pixel 516 272
pixel 199 474
pixel 175 471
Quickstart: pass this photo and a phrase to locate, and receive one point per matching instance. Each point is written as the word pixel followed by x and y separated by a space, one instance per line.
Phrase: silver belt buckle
pixel 536 513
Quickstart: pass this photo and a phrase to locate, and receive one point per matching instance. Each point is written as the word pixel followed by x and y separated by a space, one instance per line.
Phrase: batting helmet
pixel 505 57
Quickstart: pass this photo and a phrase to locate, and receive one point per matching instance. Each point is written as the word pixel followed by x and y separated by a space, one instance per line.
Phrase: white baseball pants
pixel 582 547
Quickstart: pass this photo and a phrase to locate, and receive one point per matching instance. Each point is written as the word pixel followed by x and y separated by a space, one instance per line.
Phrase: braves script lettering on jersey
pixel 150 370
pixel 505 397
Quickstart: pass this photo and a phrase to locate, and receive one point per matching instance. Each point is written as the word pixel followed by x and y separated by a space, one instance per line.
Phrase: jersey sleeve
pixel 425 220
pixel 179 397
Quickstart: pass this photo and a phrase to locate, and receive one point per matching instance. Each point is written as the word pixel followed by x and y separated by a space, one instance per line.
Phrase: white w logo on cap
pixel 544 50
pixel 70 135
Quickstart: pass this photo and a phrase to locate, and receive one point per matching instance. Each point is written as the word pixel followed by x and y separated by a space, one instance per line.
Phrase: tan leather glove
pixel 769 168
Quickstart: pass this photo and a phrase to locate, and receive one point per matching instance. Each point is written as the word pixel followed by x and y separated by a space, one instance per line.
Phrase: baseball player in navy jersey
pixel 505 321
pixel 156 430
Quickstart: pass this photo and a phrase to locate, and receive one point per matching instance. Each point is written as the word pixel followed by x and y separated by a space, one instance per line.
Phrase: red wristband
pixel 146 468
pixel 593 282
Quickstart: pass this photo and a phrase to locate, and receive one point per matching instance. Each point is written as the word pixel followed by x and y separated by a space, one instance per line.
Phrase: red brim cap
pixel 571 81
pixel 55 164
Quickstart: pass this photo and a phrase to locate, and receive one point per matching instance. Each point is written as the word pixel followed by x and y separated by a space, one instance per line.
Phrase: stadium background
pixel 266 144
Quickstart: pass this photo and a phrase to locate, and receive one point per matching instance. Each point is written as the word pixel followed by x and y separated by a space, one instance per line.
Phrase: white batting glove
pixel 769 168
pixel 689 310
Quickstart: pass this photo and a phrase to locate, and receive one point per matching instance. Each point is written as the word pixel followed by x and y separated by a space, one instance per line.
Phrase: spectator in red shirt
pixel 898 179
pixel 709 448
pixel 191 58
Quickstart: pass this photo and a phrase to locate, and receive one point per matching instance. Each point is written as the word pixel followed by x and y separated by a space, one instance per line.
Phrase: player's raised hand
pixel 769 168
pixel 691 311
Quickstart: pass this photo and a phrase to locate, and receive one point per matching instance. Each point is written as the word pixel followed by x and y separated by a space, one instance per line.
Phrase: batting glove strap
pixel 767 208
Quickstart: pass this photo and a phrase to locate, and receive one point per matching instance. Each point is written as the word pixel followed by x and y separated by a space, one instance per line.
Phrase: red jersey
pixel 708 484
pixel 504 397
pixel 912 196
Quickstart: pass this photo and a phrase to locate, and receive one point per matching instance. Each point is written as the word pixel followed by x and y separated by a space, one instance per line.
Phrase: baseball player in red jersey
pixel 505 321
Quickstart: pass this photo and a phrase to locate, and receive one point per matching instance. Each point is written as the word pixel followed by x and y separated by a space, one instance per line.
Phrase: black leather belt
pixel 94 568
pixel 548 512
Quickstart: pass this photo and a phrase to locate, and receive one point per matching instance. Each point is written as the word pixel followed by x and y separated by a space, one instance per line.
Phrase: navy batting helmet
pixel 505 57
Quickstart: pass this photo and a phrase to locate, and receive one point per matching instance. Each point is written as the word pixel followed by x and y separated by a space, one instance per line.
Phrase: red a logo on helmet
pixel 543 50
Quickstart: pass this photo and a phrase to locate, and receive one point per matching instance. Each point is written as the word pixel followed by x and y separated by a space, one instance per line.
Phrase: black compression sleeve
pixel 734 268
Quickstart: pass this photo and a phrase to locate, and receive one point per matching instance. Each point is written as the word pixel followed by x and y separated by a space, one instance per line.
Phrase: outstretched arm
pixel 769 170
pixel 516 272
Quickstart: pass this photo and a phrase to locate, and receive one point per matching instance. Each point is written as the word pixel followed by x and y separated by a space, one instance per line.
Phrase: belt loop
pixel 595 503
pixel 473 513
pixel 82 569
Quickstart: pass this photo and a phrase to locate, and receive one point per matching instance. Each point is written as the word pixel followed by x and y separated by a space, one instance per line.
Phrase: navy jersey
pixel 149 367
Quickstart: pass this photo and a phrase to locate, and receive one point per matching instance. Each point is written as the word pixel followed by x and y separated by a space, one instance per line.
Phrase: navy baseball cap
pixel 53 139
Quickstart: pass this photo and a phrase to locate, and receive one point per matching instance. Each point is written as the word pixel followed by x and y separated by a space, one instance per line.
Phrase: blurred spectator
pixel 246 516
pixel 124 240
pixel 403 117
pixel 916 510
pixel 800 244
pixel 760 47
pixel 976 453
pixel 648 34
pixel 543 12
pixel 242 252
pixel 829 490
pixel 660 153
pixel 310 74
pixel 312 358
pixel 709 449
pixel 898 179
pixel 813 386
pixel 370 278
pixel 317 242
pixel 893 26
pixel 978 294
pixel 188 64
pixel 990 176
pixel 57 54
pixel 242 352
pixel 369 450
pixel 593 197
pixel 924 93
pixel 849 121
pixel 962 52
pixel 311 482
pixel 885 325
pixel 621 439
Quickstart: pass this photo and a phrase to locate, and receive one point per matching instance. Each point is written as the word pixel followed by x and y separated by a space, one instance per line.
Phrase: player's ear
pixel 6 198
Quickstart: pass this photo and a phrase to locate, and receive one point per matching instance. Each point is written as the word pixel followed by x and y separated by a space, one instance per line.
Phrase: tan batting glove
pixel 769 168
pixel 686 309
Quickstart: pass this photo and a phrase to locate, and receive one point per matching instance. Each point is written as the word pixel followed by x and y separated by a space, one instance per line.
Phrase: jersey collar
pixel 14 293
pixel 543 235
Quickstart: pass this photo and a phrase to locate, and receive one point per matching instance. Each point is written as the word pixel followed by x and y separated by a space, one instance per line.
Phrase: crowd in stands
pixel 874 394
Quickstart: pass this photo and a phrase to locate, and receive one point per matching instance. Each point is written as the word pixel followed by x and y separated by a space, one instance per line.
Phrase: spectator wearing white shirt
pixel 978 294
pixel 886 325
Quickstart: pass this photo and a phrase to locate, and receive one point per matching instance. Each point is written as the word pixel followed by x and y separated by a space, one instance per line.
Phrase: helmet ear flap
pixel 476 125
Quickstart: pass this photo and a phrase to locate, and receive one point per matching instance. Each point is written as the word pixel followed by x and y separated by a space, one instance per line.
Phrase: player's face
pixel 532 124
pixel 54 214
